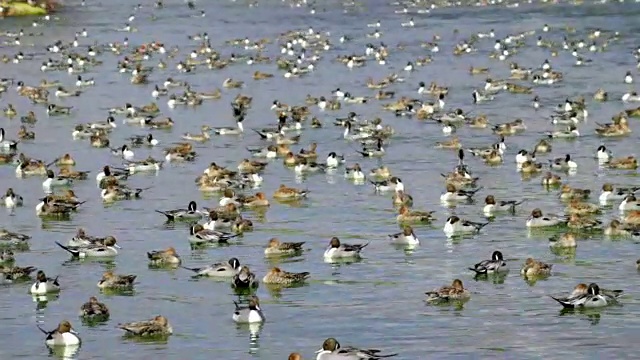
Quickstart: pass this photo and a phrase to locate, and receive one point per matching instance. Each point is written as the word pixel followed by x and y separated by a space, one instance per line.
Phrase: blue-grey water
pixel 377 302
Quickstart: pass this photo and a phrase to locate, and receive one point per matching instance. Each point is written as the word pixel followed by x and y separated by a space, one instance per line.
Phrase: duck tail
pixel 191 269
pixel 262 135
pixel 169 216
pixel 43 330
pixel 365 245
pixel 75 253
pixel 481 271
pixel 562 302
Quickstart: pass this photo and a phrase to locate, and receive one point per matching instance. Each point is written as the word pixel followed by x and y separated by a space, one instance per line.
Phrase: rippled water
pixel 377 302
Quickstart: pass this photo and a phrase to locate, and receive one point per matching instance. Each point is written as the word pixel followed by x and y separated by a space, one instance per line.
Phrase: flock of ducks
pixel 300 54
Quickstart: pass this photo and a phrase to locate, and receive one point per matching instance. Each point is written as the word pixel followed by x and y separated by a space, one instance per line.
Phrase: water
pixel 377 302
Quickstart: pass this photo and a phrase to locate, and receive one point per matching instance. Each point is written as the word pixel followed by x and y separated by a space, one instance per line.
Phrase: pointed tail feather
pixel 71 251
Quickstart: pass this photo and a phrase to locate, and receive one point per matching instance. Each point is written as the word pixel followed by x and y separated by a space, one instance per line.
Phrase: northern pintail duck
pixel 251 314
pixel 191 213
pixel 564 163
pixel 227 269
pixel 244 279
pixel 9 238
pixel 117 193
pixel 626 163
pixel 286 193
pixel 277 248
pixel 44 285
pixel 603 154
pixel 63 335
pixel 331 350
pixel 7 144
pixel 618 229
pixel 456 226
pixel 401 198
pixel 393 183
pixel 337 250
pixel 277 276
pixel 51 208
pixel 354 173
pixel 537 220
pixel 405 237
pixel 11 199
pixel 567 193
pixel 495 265
pixel 535 268
pixel 198 235
pixel 158 326
pixel 53 182
pixel 453 194
pixel 108 248
pixel 593 298
pixel 577 207
pixel 94 310
pixel 407 216
pixel 453 292
pixel 550 179
pixel 566 240
pixel 148 164
pixel 6 256
pixel 629 203
pixel 491 206
pixel 110 280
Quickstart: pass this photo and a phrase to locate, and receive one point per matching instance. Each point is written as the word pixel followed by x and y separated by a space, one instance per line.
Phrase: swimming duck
pixel 592 299
pixel 44 285
pixel 93 309
pixel 24 134
pixel 577 207
pixel 158 326
pixel 406 237
pixel 602 154
pixel 407 216
pixel 53 182
pixel 11 199
pixel 456 226
pixel 255 201
pixel 200 236
pixel 51 208
pixel 7 144
pixel 453 194
pixel 618 229
pixel 63 335
pixel 393 183
pixel 337 250
pixel 190 213
pixel 566 240
pixel 244 279
pixel 563 163
pixel 626 163
pixel 491 206
pixel 610 193
pixel 226 269
pixel 568 193
pixel 550 179
pixel 495 265
pixel 354 173
pixel 110 280
pixel 104 249
pixel 629 203
pixel 568 133
pixel 534 268
pixel 277 248
pixel 453 292
pixel 148 164
pixel 169 256
pixel 537 220
pixel 401 198
pixel 331 350
pixel 117 193
pixel 276 276
pixel 250 314
pixel 286 193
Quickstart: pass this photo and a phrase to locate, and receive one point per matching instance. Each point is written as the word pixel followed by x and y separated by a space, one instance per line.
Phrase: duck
pixel 7 144
pixel 277 276
pixel 158 326
pixel 256 201
pixel 50 208
pixel 405 237
pixel 617 229
pixel 93 309
pixel 277 248
pixel 118 193
pixel 227 269
pixel 567 193
pixel 610 193
pixel 550 179
pixel 53 182
pixel 110 280
pixel 287 193
pixel 244 279
pixel 407 216
pixel 603 154
pixel 331 350
pixel 629 203
pixel 63 335
pixel 44 285
pixel 566 240
pixel 453 194
pixel 11 199
pixel 191 213
pixel 491 206
pixel 200 236
pixel 592 299
pixel 453 292
pixel 456 226
pixel 533 268
pixel 337 250
pixel 24 134
pixel 495 265
pixel 401 198
pixel 577 207
pixel 537 220
pixel 393 183
pixel 148 164
pixel 354 173
pixel 109 248
pixel 626 163
pixel 251 314
pixel 565 163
